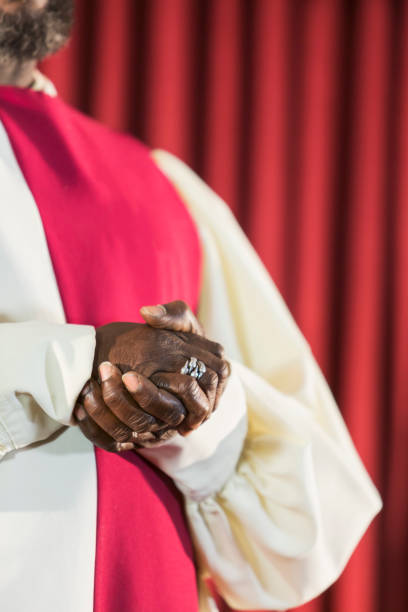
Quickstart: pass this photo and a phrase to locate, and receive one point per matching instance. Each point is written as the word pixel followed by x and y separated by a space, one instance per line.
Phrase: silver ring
pixel 194 367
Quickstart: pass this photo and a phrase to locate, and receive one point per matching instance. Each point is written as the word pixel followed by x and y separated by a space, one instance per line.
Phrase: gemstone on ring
pixel 201 369
pixel 193 364
pixel 186 367
pixel 195 372
pixel 193 367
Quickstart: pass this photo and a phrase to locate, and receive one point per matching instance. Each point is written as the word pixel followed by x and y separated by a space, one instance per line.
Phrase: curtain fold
pixel 296 113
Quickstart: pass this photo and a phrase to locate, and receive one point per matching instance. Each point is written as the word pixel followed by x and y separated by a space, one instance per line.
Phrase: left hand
pixel 178 317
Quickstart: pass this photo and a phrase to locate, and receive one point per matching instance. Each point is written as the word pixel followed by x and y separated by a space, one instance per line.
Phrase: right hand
pixel 160 354
pixel 148 350
pixel 177 316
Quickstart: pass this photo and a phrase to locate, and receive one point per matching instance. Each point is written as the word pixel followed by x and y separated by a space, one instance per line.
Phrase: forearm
pixel 202 462
pixel 43 367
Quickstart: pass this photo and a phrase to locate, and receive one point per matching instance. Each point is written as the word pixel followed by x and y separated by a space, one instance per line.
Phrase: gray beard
pixel 28 34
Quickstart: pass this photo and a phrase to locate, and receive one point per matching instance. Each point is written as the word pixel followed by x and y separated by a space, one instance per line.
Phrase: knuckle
pixel 114 447
pixel 224 369
pixel 212 380
pixel 141 422
pixel 162 382
pixel 197 418
pixel 170 342
pixel 174 417
pixel 209 383
pixel 164 435
pixel 109 391
pixel 115 396
pixel 181 306
pixel 144 399
pixel 219 349
pixel 87 389
pixel 90 404
pixel 190 386
pixel 120 434
pixel 203 411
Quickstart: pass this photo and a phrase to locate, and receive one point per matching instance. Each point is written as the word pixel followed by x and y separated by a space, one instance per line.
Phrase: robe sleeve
pixel 282 527
pixel 202 462
pixel 43 367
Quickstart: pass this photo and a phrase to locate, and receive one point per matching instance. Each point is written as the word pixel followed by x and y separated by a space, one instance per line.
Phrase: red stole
pixel 119 237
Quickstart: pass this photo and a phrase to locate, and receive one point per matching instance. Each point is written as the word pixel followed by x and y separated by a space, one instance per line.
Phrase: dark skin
pixel 137 395
pixel 152 404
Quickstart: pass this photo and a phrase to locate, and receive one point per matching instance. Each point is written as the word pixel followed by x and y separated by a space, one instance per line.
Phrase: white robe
pixel 276 495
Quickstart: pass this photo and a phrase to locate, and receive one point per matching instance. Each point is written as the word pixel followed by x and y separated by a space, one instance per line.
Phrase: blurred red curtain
pixel 297 114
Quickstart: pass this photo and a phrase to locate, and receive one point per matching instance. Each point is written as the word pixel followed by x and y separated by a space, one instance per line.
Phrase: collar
pixel 41 83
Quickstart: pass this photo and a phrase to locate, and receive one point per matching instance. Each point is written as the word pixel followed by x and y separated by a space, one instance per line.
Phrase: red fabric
pixel 119 237
pixel 297 114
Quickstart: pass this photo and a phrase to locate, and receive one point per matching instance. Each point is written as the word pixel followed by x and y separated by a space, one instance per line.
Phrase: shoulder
pixel 203 202
pixel 92 128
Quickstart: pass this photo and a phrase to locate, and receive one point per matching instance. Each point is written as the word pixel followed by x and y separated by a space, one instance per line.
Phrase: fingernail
pixel 131 381
pixel 135 435
pixel 185 430
pixel 186 433
pixel 80 413
pixel 124 446
pixel 155 311
pixel 87 389
pixel 106 370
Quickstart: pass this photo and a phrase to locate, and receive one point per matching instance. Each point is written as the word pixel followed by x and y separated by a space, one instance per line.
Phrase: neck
pixel 19 74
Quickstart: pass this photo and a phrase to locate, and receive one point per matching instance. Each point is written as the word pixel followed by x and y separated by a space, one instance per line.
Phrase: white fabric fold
pixel 48 491
pixel 287 520
pixel 273 525
pixel 201 463
pixel 43 361
pixel 43 367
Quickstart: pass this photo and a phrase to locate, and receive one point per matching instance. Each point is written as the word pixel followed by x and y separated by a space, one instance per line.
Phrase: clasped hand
pixel 137 395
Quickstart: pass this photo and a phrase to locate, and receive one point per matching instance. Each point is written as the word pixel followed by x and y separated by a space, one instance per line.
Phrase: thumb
pixel 156 316
pixel 174 316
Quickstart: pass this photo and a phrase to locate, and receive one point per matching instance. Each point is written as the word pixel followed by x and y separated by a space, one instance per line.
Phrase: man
pixel 94 227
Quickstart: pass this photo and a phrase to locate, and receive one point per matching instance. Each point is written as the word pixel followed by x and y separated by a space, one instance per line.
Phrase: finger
pixel 174 316
pixel 173 361
pixel 204 343
pixel 223 377
pixel 168 434
pixel 97 435
pixel 220 366
pixel 121 403
pixel 171 357
pixel 209 384
pixel 190 393
pixel 223 370
pixel 153 400
pixel 95 407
